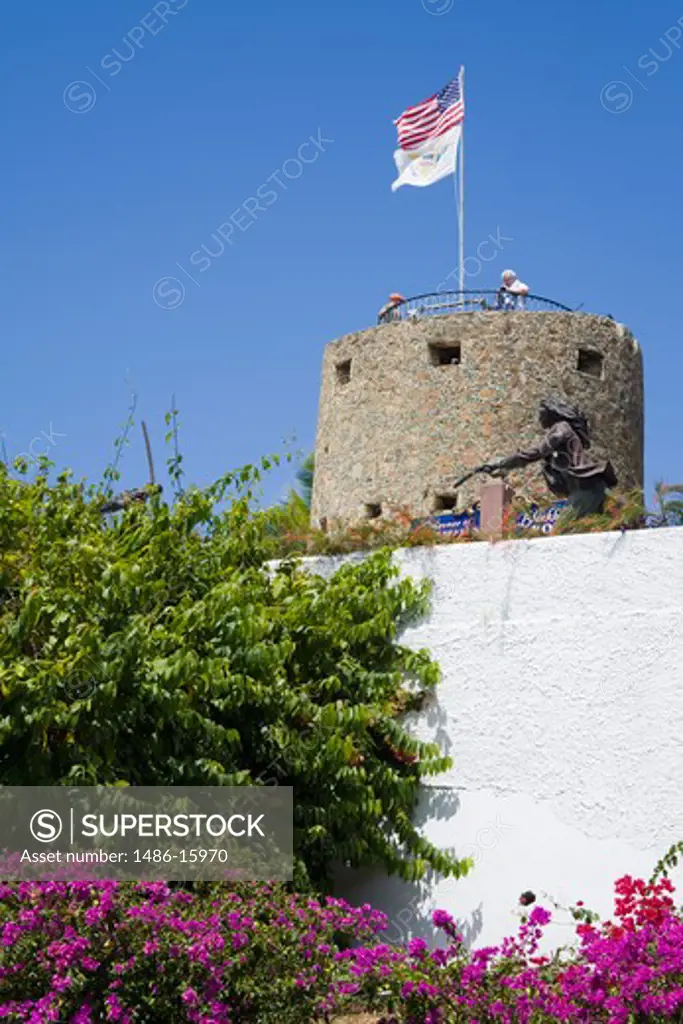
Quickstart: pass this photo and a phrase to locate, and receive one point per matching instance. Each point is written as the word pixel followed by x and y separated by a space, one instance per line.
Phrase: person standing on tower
pixel 512 292
pixel 390 310
pixel 568 470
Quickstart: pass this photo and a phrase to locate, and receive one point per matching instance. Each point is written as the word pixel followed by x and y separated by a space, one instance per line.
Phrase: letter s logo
pixel 45 826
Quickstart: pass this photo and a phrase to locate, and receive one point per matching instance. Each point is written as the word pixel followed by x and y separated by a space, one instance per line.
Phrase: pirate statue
pixel 568 470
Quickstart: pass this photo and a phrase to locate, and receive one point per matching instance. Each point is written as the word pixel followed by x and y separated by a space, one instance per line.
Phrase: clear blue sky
pixel 100 204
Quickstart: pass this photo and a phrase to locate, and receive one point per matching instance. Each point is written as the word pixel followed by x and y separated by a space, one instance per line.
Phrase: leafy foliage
pixel 668 862
pixel 305 479
pixel 160 647
pixel 293 516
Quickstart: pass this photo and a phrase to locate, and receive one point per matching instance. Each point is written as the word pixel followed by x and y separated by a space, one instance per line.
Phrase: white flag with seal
pixel 431 162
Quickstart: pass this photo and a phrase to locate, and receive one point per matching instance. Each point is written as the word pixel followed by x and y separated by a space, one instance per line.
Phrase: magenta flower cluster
pixel 85 952
pixel 629 971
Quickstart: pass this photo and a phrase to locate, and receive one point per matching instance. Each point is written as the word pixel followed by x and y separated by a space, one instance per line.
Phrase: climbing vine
pixel 162 646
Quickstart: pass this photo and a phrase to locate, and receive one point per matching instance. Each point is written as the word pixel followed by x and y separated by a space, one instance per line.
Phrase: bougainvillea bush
pixel 625 971
pixel 82 953
pixel 85 952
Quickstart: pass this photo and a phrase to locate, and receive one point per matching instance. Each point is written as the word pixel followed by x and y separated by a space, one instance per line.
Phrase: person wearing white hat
pixel 512 292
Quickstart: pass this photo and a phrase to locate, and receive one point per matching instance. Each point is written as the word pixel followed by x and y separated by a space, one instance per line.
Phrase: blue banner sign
pixel 450 525
pixel 543 518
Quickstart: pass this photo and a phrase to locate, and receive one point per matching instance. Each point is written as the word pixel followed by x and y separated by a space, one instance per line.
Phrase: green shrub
pixel 160 648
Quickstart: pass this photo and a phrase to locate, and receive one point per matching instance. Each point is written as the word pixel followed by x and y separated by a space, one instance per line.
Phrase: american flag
pixel 432 117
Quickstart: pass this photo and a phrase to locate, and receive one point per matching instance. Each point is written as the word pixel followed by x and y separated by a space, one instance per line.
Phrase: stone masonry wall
pixel 400 430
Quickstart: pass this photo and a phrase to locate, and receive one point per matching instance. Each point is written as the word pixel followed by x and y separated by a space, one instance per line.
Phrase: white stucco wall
pixel 561 704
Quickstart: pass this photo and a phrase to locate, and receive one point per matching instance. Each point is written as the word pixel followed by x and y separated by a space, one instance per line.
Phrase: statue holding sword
pixel 567 468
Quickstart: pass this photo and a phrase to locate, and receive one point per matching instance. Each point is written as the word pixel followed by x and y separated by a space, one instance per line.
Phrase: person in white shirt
pixel 512 292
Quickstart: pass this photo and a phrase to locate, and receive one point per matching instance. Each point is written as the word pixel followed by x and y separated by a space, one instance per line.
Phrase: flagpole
pixel 461 197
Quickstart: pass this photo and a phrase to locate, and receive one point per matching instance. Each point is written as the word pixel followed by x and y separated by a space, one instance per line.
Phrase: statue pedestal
pixel 495 497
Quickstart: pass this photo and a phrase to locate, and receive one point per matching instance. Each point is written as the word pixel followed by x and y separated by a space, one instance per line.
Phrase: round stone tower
pixel 409 406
